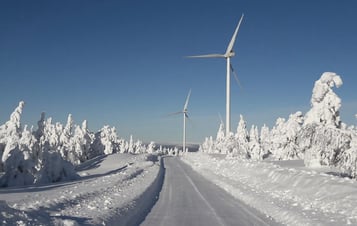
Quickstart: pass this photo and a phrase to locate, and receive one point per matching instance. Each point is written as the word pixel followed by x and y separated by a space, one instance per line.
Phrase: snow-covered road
pixel 187 198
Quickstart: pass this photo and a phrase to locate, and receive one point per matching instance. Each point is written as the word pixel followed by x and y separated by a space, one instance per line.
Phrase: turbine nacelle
pixel 230 54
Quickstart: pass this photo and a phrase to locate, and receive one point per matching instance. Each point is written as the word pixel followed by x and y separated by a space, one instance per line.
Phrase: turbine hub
pixel 231 54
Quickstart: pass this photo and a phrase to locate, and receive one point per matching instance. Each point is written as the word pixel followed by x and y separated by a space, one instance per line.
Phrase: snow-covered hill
pixel 118 188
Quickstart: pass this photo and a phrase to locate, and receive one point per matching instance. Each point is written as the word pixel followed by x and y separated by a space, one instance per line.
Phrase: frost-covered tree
pixel 242 136
pixel 348 159
pixel 255 148
pixel 220 134
pixel 323 145
pixel 265 142
pixel 151 147
pixel 82 140
pixel 10 132
pixel 323 138
pixel 54 169
pixel 283 137
pixel 106 141
pixel 325 104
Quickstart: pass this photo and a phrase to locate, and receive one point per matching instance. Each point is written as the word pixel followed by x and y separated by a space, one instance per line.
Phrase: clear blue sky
pixel 122 62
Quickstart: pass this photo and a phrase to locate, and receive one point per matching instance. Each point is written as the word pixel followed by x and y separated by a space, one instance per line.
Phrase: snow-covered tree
pixel 255 148
pixel 265 142
pixel 325 104
pixel 323 145
pixel 242 136
pixel 151 147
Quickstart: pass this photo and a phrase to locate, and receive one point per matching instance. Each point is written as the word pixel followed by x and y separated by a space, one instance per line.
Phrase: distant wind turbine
pixel 229 53
pixel 185 115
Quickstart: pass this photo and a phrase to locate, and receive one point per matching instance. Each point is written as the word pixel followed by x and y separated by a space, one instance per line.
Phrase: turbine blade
pixel 174 113
pixel 187 99
pixel 208 56
pixel 236 77
pixel 231 43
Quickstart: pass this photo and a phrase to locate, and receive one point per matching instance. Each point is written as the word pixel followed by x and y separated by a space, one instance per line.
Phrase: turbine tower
pixel 185 115
pixel 229 53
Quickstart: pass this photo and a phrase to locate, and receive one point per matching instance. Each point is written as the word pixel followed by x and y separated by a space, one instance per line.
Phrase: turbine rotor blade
pixel 174 113
pixel 231 43
pixel 187 99
pixel 208 56
pixel 236 77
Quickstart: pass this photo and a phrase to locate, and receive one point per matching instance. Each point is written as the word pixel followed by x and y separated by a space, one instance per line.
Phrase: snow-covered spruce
pixel 50 153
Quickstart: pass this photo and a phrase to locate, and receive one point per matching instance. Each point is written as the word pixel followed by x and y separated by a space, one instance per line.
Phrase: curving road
pixel 187 198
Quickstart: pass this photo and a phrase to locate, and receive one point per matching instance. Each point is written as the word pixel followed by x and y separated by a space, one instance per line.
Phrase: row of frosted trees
pixel 318 137
pixel 51 152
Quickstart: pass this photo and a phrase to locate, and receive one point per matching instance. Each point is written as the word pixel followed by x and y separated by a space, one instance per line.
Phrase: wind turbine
pixel 228 54
pixel 185 115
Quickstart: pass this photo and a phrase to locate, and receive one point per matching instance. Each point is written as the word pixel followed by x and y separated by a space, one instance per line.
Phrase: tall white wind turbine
pixel 185 115
pixel 229 53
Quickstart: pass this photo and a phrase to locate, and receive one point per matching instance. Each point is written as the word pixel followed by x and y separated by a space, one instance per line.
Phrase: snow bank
pixel 113 190
pixel 293 195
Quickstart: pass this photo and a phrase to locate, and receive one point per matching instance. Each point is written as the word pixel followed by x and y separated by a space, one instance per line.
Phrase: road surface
pixel 187 198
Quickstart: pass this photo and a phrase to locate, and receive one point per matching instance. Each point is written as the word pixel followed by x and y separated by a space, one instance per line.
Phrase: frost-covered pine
pixel 151 147
pixel 254 144
pixel 208 145
pixel 220 134
pixel 82 140
pixel 131 145
pixel 106 141
pixel 54 169
pixel 41 126
pixel 323 145
pixel 19 167
pixel 290 149
pixel 10 132
pixel 66 145
pixel 325 104
pixel 265 142
pixel 278 138
pixel 348 159
pixel 242 136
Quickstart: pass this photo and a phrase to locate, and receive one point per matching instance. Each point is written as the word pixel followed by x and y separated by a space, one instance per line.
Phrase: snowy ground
pixel 286 190
pixel 118 187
